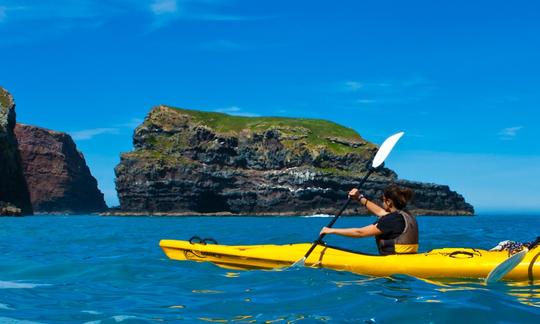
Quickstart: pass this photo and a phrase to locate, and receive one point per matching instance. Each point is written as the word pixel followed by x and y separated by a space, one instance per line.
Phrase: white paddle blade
pixel 299 263
pixel 505 267
pixel 385 149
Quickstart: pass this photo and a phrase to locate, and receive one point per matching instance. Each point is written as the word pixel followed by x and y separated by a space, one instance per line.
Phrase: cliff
pixel 58 178
pixel 192 162
pixel 14 196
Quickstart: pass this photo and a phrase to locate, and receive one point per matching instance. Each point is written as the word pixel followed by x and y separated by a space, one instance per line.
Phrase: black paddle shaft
pixel 319 240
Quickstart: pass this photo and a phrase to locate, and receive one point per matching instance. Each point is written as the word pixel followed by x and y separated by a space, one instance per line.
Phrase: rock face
pixel 13 189
pixel 56 173
pixel 192 162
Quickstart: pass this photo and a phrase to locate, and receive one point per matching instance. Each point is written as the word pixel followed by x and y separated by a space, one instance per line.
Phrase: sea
pixel 107 269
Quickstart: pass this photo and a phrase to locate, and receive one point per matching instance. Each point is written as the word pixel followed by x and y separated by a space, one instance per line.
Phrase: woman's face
pixel 387 203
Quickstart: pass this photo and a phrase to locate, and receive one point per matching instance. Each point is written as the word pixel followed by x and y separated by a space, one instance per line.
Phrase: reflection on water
pixel 232 275
pixel 526 294
pixel 399 289
pixel 206 291
pixel 261 319
pixel 213 320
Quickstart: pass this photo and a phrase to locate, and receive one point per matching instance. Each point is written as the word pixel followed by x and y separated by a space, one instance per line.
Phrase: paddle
pixel 509 264
pixel 378 160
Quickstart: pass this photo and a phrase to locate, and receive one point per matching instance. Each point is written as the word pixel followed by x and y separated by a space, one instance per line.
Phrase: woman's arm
pixel 371 206
pixel 370 230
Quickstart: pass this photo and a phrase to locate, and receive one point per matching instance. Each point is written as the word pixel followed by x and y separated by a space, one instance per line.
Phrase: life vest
pixel 406 242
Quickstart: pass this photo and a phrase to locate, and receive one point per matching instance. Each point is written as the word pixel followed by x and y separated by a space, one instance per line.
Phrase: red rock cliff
pixel 56 172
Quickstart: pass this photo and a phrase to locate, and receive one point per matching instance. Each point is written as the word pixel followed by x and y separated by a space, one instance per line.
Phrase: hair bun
pixel 399 195
pixel 407 194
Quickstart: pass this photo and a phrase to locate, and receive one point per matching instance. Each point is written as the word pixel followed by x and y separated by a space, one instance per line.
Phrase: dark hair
pixel 400 196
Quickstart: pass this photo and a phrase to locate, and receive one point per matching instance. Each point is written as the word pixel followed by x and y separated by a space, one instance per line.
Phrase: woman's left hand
pixel 326 230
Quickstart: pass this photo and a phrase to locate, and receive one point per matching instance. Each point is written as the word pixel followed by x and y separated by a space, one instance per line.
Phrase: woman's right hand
pixel 326 230
pixel 354 194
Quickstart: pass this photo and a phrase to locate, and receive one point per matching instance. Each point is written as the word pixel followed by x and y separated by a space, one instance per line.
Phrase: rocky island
pixel 41 170
pixel 189 162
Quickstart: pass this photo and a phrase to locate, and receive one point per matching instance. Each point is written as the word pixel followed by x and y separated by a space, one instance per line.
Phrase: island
pixel 189 162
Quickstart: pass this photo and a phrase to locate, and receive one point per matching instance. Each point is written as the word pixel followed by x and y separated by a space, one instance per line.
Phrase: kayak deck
pixel 438 263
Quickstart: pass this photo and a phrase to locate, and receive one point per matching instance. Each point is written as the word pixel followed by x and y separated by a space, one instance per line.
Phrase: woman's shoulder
pixel 396 213
pixel 392 217
pixel 395 216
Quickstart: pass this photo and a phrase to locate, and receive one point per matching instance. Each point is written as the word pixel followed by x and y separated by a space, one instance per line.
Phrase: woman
pixel 395 231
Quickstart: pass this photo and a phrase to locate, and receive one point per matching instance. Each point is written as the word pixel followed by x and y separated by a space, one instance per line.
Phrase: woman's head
pixel 396 196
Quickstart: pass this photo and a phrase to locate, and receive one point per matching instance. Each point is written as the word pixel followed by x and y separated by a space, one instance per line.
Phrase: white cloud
pixel 236 111
pixel 166 12
pixel 88 134
pixel 229 109
pixel 61 16
pixel 54 19
pixel 221 17
pixel 356 86
pixel 391 85
pixel 161 7
pixel 62 9
pixel 8 13
pixel 134 122
pixel 353 85
pixel 509 133
pixel 366 101
pixel 386 92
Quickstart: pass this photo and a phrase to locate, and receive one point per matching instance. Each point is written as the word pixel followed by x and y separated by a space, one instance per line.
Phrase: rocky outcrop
pixel 56 173
pixel 192 162
pixel 13 190
pixel 7 209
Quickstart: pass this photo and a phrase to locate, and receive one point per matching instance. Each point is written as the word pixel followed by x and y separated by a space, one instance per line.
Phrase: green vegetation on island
pixel 5 99
pixel 313 134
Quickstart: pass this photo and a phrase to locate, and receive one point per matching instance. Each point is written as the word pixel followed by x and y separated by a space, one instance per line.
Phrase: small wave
pixel 4 306
pixel 318 216
pixel 19 285
pixel 121 318
pixel 8 320
pixel 91 312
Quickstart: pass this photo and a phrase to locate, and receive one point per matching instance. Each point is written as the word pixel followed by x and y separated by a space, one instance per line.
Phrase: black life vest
pixel 406 242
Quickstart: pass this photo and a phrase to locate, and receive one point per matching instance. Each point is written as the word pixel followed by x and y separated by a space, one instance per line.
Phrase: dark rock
pixel 56 173
pixel 7 209
pixel 195 162
pixel 13 188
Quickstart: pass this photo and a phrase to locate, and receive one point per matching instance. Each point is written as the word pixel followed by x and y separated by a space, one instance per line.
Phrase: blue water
pixel 76 269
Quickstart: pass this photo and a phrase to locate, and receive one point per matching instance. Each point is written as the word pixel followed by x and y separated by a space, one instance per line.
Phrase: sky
pixel 461 78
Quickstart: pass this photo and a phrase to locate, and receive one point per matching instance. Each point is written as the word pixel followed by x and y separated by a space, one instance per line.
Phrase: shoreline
pixel 280 214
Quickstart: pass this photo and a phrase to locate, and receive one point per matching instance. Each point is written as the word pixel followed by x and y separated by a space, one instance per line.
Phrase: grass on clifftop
pixel 313 131
pixel 4 99
pixel 229 123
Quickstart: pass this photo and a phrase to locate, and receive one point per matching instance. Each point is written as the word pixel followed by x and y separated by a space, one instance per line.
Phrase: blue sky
pixel 461 78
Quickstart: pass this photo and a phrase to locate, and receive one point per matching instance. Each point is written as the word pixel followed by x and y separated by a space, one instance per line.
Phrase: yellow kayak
pixel 438 263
